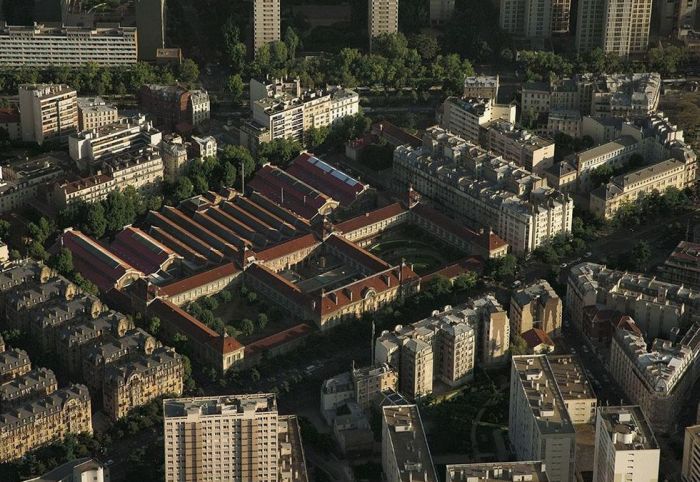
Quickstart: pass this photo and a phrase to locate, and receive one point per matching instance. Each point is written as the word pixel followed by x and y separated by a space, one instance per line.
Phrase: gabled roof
pixel 141 250
pixel 95 262
pixel 370 218
pixel 536 337
pixel 199 279
pixel 272 341
pixel 289 192
pixel 327 179
pixel 288 247
pixel 358 254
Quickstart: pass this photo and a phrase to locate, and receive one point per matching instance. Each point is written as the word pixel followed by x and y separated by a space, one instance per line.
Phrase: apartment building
pixel 539 425
pixel 481 87
pixel 683 265
pixel 173 107
pixel 657 307
pixel 497 471
pixel 515 144
pixel 442 347
pixel 441 11
pixel 45 420
pixel 370 383
pixel 44 46
pixel 564 121
pixel 14 363
pixel 128 133
pixel 405 452
pixel 629 188
pixel 151 24
pixel 493 328
pixel 82 469
pixel 625 446
pixel 561 16
pixel 483 189
pixel 288 117
pixel 527 18
pixel 10 121
pixel 47 111
pixel 140 380
pixel 27 180
pixel 36 383
pixel 237 437
pixel 690 470
pixel 626 27
pixel 94 112
pixel 535 306
pixel 466 118
pixel 590 24
pixel 576 390
pixel 658 378
pixel 383 18
pixel 202 147
pixel 266 23
pixel 174 151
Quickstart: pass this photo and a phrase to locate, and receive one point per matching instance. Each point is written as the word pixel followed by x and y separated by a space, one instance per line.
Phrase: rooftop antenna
pixel 371 346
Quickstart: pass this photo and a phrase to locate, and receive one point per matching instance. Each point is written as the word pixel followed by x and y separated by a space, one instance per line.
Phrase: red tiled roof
pixel 9 115
pixel 288 191
pixel 491 242
pixel 192 327
pixel 199 279
pixel 451 271
pixel 299 331
pixel 278 283
pixel 536 337
pixel 287 247
pixel 360 288
pixel 628 324
pixel 141 250
pixel 179 247
pixel 332 182
pixel 360 255
pixel 370 218
pixel 95 262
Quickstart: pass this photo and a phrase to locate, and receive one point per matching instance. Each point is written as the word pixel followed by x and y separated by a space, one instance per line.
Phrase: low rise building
pixel 94 112
pixel 405 452
pixel 564 121
pixel 683 265
pixel 199 107
pixel 45 420
pixel 442 347
pixel 629 188
pixel 28 180
pixel 174 152
pixel 540 427
pixel 535 306
pixel 11 122
pixel 203 147
pixel 625 446
pixel 484 189
pixel 336 392
pixel 497 471
pixel 659 379
pixel 77 470
pixel 173 107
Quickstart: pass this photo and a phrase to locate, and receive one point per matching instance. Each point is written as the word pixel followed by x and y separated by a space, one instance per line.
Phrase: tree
pixel 465 281
pixel 291 40
pixel 154 326
pixel 247 327
pixel 235 87
pixel 41 230
pixel 4 229
pixel 519 346
pixel 278 54
pixel 426 44
pixel 261 321
pixel 234 48
pixel 95 222
pixel 62 261
pixel 254 375
pixel 316 136
pixel 37 251
pixel 189 71
pixel 252 297
pixel 641 254
pixel 184 188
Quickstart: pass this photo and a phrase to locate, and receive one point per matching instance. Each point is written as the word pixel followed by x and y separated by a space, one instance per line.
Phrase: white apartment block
pixel 94 112
pixel 266 22
pixel 467 117
pixel 483 189
pixel 528 18
pixel 690 470
pixel 41 46
pixel 199 106
pixel 626 27
pixel 126 134
pixel 441 347
pixel 234 438
pixel 47 111
pixel 658 378
pixel 288 117
pixel 625 447
pixel 539 425
pixel 405 452
pixel 383 18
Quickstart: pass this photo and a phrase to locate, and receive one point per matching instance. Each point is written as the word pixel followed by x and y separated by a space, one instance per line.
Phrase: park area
pixel 425 252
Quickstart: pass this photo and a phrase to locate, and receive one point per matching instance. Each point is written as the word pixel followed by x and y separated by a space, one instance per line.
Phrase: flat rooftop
pixel 572 381
pixel 408 443
pixel 628 428
pixel 498 471
pixel 222 405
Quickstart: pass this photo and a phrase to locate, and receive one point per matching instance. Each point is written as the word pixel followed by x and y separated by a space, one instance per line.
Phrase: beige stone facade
pixel 536 306
pixel 383 18
pixel 266 22
pixel 48 111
